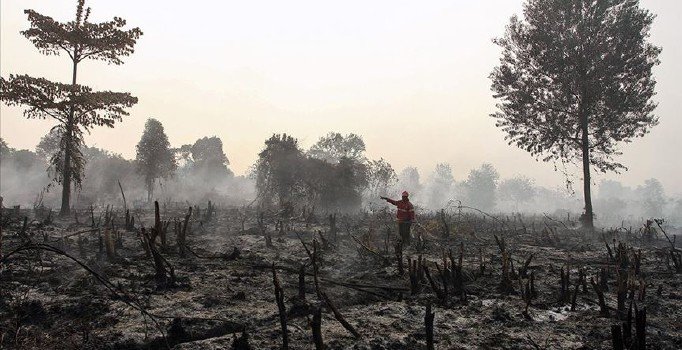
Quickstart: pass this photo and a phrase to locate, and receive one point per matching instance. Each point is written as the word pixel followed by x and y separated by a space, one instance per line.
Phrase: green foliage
pixel 440 186
pixel 380 177
pixel 285 176
pixel 81 39
pixel 409 180
pixel 519 189
pixel 481 185
pixel 569 60
pixel 334 146
pixel 209 159
pixel 652 198
pixel 155 158
pixel 574 81
pixel 278 170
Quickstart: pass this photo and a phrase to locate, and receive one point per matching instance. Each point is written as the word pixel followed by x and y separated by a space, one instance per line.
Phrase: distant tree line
pixel 191 171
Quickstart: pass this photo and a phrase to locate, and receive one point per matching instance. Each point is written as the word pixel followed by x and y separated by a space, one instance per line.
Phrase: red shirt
pixel 405 209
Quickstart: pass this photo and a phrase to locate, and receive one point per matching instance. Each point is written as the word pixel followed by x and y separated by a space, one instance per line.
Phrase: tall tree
pixel 574 80
pixel 279 170
pixel 209 161
pixel 155 159
pixel 380 177
pixel 518 189
pixel 481 186
pixel 408 180
pixel 76 107
pixel 334 146
pixel 440 186
pixel 652 198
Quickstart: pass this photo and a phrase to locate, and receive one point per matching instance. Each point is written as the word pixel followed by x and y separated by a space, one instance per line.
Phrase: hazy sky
pixel 411 77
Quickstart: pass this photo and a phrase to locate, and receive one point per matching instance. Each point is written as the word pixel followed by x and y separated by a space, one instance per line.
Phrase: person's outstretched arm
pixel 389 200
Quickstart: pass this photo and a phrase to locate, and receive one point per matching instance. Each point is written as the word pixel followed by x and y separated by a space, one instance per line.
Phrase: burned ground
pixel 502 282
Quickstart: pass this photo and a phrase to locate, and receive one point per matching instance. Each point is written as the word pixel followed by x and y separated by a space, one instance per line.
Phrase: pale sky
pixel 411 77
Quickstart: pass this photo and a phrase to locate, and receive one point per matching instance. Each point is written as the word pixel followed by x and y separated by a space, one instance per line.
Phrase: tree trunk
pixel 66 177
pixel 588 216
pixel 150 190
pixel 66 171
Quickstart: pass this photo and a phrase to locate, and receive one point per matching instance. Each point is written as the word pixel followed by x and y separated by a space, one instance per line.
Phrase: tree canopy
pixel 334 146
pixel 155 159
pixel 574 81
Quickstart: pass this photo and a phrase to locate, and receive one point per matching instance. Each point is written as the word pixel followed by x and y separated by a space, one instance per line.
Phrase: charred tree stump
pixel 210 209
pixel 164 272
pixel 527 295
pixel 81 247
pixel 564 293
pixel 481 263
pixel 279 298
pixel 603 309
pixel 621 294
pixel 523 271
pixel 263 230
pixel 333 231
pixel 415 268
pixel 608 250
pixel 676 257
pixel 109 245
pixel 399 257
pixel 301 282
pixel 458 273
pixel 617 338
pixel 316 325
pixel 314 261
pixel 92 216
pixel 241 342
pixel 627 328
pixel 325 243
pixel 436 289
pixel 23 235
pixel 578 284
pixel 181 235
pixel 640 328
pixel 445 275
pixel 444 222
pixel 506 286
pixel 604 279
pixel 428 325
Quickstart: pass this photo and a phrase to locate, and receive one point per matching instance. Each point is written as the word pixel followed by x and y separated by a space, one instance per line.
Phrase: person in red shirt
pixel 405 216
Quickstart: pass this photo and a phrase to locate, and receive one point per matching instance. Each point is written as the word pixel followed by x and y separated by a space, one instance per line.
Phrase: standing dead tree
pixel 262 228
pixel 675 254
pixel 428 325
pixel 181 233
pixel 565 283
pixel 165 274
pixel 316 326
pixel 416 272
pixel 279 298
pixel 399 257
pixel 603 309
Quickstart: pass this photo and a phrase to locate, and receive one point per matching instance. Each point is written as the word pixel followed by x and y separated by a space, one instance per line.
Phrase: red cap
pixel 405 194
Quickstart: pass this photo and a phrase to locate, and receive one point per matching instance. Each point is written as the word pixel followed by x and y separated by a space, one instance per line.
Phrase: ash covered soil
pixel 93 284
